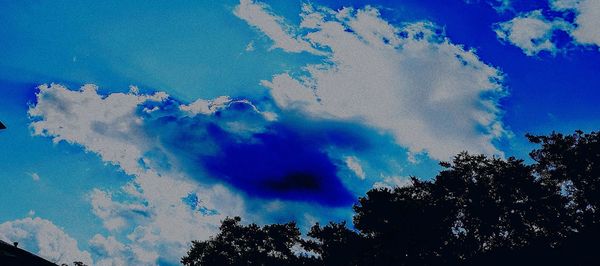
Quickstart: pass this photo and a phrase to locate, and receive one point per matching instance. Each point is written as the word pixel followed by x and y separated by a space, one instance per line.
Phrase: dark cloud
pixel 283 159
pixel 278 163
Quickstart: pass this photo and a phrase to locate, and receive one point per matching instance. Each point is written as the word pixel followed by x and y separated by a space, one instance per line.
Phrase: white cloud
pixel 433 95
pixel 173 224
pixel 561 5
pixel 206 107
pixel 34 176
pixel 113 253
pixel 209 107
pixel 250 47
pixel 531 32
pixel 392 182
pixel 151 203
pixel 114 214
pixel 587 31
pixel 42 237
pixel 258 15
pixel 109 130
pixel 353 164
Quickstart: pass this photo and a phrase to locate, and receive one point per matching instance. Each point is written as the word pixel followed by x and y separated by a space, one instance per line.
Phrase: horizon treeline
pixel 476 211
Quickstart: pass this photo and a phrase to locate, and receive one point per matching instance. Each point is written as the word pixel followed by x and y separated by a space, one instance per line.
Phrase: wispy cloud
pixel 259 16
pixel 354 165
pixel 34 176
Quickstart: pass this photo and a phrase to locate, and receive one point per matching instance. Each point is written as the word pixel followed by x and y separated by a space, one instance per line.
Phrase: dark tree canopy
pixel 477 211
pixel 570 166
pixel 238 244
pixel 335 243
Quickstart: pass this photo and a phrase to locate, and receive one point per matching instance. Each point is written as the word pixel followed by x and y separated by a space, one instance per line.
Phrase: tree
pixel 498 205
pixel 570 165
pixel 475 206
pixel 238 244
pixel 336 244
pixel 405 226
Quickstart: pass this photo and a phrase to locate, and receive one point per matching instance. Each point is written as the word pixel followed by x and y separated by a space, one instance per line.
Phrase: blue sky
pixel 137 123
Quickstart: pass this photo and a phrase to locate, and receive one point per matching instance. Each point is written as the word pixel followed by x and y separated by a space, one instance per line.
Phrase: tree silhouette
pixel 570 165
pixel 405 226
pixel 477 211
pixel 251 244
pixel 498 205
pixel 336 244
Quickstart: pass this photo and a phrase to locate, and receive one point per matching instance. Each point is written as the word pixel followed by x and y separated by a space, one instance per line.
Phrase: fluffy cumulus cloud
pixel 65 116
pixel 42 237
pixel 531 32
pixel 534 31
pixel 587 30
pixel 432 95
pixel 112 252
pixel 151 205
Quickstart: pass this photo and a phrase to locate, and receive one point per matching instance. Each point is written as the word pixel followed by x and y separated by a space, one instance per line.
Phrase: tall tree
pixel 570 164
pixel 404 226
